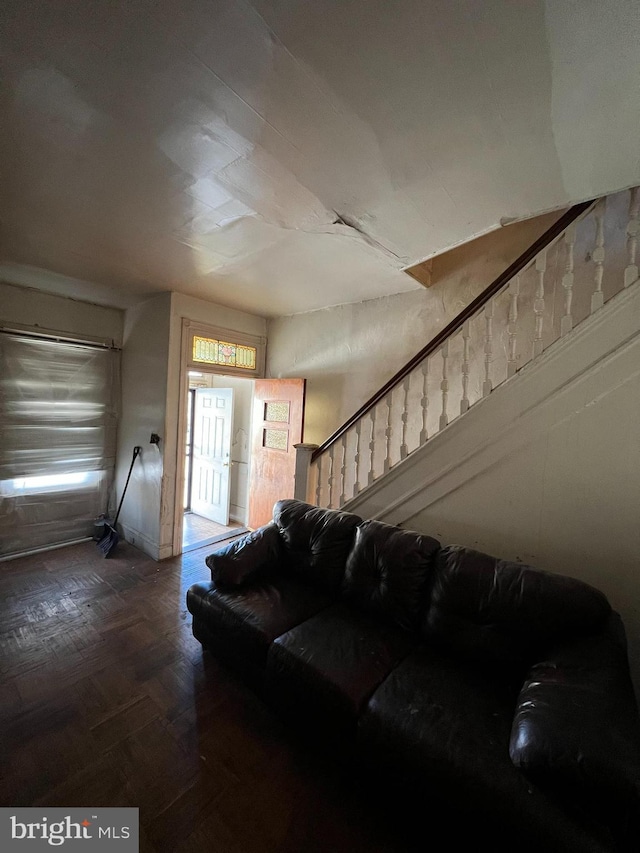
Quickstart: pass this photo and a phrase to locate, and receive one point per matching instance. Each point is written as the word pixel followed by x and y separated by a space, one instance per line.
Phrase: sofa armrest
pixel 576 721
pixel 246 559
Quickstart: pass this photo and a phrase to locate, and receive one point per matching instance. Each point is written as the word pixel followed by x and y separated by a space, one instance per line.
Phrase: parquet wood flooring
pixel 107 699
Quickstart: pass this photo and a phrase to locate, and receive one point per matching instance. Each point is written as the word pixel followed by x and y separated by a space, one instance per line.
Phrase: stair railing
pixel 578 264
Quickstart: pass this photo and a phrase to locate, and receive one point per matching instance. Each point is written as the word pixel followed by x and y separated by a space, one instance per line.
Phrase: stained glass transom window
pixel 211 351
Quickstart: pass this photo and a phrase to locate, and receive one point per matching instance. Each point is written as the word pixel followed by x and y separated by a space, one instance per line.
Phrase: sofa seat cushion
pixel 330 665
pixel 443 725
pixel 244 621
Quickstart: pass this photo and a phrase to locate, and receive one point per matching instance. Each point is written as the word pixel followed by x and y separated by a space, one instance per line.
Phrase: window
pixel 211 351
pixel 58 416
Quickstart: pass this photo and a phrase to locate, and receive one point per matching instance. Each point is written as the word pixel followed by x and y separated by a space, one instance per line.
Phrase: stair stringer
pixel 593 359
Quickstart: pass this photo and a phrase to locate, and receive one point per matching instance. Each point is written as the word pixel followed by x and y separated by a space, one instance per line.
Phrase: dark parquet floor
pixel 106 699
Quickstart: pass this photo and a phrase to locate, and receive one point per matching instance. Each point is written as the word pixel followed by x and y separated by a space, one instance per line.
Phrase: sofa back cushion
pixel 387 572
pixel 495 610
pixel 315 542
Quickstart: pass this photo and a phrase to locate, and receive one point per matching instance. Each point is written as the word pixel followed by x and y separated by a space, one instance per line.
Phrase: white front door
pixel 212 431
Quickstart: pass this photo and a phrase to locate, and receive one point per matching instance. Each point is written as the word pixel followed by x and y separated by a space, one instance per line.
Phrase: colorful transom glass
pixel 210 351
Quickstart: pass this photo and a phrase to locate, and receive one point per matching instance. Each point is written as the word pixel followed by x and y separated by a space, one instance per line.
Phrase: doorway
pixel 217 450
pixel 267 425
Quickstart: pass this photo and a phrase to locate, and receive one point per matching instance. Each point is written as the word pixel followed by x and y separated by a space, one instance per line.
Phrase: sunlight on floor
pixel 198 531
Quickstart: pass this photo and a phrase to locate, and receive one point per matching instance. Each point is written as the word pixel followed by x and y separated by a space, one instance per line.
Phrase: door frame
pixel 188 473
pixel 189 329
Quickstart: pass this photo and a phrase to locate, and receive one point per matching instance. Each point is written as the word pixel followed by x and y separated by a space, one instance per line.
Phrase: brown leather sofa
pixel 492 688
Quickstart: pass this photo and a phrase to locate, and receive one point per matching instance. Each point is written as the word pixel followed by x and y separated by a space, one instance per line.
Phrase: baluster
pixel 488 348
pixel 633 229
pixel 388 431
pixel 538 302
pixel 512 328
pixel 404 452
pixel 466 334
pixel 356 460
pixel 331 477
pixel 319 482
pixel 343 471
pixel 566 323
pixel 444 385
pixel 597 297
pixel 424 401
pixel 372 444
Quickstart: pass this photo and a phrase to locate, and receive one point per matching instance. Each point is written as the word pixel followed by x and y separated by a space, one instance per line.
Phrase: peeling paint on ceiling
pixel 281 156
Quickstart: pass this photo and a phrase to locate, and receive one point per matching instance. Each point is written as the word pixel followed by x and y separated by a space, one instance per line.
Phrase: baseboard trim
pixel 139 540
pixel 43 549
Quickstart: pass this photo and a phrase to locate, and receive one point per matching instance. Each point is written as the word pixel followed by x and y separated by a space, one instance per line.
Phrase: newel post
pixel 303 484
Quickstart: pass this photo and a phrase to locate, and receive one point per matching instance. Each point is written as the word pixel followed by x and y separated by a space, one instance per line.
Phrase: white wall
pixel 145 360
pixel 29 307
pixel 213 314
pixel 346 353
pixel 547 469
pixel 150 399
pixel 149 334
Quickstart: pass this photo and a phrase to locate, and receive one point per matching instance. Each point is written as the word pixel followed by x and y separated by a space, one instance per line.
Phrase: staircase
pixel 516 431
pixel 583 262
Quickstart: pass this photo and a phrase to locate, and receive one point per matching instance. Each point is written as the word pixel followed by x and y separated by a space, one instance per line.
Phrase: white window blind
pixel 58 418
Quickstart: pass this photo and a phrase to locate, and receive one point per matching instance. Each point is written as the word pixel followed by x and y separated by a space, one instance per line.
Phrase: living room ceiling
pixel 280 156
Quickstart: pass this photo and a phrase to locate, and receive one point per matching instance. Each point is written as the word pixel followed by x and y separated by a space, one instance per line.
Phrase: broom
pixel 110 537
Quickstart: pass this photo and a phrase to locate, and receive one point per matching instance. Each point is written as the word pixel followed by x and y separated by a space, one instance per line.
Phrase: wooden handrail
pixel 517 266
